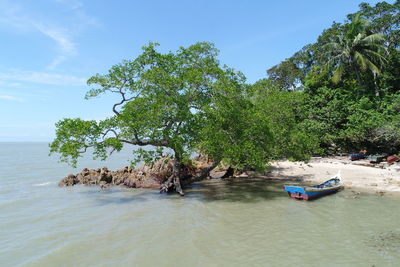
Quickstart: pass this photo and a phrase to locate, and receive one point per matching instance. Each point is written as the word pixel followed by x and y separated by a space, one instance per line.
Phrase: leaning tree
pixel 179 103
pixel 167 101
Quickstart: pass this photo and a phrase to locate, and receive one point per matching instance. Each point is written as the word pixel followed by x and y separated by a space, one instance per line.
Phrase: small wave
pixel 44 184
pixel 12 202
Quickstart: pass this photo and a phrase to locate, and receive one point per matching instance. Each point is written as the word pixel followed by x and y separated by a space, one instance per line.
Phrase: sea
pixel 232 222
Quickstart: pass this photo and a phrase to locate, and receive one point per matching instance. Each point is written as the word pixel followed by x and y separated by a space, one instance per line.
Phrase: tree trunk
pixel 177 174
pixel 174 181
pixel 376 86
pixel 203 174
pixel 358 78
pixel 229 173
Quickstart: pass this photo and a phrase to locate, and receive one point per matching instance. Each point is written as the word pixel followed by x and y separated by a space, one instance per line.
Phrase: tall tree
pixel 289 74
pixel 162 102
pixel 385 19
pixel 286 75
pixel 355 49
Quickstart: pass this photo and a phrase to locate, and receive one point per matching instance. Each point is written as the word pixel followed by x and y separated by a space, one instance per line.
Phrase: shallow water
pixel 218 223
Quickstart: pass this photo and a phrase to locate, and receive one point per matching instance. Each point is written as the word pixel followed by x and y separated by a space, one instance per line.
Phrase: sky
pixel 49 48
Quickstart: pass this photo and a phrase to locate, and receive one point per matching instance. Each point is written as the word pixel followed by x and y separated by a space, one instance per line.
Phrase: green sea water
pixel 238 222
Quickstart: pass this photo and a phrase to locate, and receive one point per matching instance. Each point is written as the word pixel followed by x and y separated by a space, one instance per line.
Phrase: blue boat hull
pixel 309 195
pixel 306 193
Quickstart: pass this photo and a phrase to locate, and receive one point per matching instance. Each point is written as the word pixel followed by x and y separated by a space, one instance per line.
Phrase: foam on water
pixel 45 184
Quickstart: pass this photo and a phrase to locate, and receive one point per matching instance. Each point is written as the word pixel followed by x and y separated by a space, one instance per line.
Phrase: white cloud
pixel 9 84
pixel 27 124
pixel 41 78
pixel 11 98
pixel 59 36
pixel 57 61
pixel 66 46
pixel 15 16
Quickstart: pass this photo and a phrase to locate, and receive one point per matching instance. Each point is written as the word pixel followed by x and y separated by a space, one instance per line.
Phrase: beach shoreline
pixel 357 175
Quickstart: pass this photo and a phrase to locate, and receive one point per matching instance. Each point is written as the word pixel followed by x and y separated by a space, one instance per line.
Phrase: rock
pixel 103 184
pixel 131 183
pixel 380 193
pixel 105 177
pixel 70 180
pixel 144 176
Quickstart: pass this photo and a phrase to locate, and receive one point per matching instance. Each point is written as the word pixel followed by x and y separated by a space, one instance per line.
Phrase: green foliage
pixel 350 81
pixel 283 112
pixel 75 136
pixel 385 19
pixel 181 102
pixel 162 98
pixel 354 48
pixel 235 131
pixel 286 75
pixel 148 155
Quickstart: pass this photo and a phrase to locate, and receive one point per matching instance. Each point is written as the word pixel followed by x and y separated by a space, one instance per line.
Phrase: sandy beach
pixel 357 175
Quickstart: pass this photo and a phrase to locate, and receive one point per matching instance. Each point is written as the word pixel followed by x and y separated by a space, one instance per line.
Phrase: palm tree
pixel 355 49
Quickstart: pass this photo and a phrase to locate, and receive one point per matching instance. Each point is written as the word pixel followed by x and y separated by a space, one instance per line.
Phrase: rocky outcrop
pixel 145 176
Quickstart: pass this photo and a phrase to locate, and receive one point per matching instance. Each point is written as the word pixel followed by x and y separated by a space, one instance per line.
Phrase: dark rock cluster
pixel 145 176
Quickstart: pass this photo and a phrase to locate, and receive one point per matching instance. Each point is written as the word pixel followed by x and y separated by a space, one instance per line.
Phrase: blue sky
pixel 49 48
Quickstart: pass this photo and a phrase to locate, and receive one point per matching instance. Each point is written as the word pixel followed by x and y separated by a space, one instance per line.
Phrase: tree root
pixel 174 183
pixel 171 184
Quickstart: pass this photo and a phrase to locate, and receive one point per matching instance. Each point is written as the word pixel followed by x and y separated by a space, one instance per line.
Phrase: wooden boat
pixel 392 159
pixel 361 155
pixel 376 158
pixel 311 192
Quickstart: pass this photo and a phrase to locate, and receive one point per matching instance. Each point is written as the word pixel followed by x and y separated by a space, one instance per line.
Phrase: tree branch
pixel 124 99
pixel 110 130
pixel 204 173
pixel 162 142
pixel 84 150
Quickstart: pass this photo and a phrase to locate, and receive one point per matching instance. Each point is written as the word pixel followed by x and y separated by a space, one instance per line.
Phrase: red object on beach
pixel 392 159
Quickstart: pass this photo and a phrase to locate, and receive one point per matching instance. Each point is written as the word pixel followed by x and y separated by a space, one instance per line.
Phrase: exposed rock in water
pixel 145 176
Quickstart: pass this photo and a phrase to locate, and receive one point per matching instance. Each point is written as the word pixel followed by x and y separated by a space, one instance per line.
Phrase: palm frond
pixel 372 67
pixel 375 56
pixel 360 60
pixel 358 38
pixel 331 46
pixel 337 74
pixel 376 38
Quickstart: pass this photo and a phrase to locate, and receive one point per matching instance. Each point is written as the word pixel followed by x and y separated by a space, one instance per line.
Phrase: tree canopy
pixel 357 48
pixel 182 101
pixel 350 79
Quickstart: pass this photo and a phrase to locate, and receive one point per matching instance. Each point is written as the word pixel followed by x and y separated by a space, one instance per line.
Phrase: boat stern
pixel 296 192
